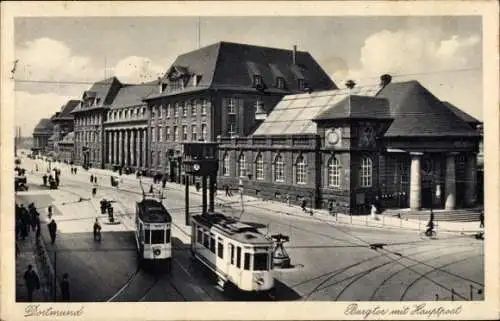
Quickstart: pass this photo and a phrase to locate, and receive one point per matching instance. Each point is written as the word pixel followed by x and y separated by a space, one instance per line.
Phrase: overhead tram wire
pixel 83 82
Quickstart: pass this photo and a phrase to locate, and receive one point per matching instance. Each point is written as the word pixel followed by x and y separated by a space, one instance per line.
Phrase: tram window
pixel 146 236
pixel 199 236
pixel 246 263
pixel 220 248
pixel 206 240
pixel 167 236
pixel 157 236
pixel 260 261
pixel 231 251
pixel 212 243
pixel 238 256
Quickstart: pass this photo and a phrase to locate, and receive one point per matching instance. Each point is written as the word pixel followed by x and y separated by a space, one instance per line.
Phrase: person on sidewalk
pixel 304 204
pixel 91 178
pixel 481 220
pixel 164 181
pixel 65 288
pixel 52 230
pixel 32 282
pixel 50 211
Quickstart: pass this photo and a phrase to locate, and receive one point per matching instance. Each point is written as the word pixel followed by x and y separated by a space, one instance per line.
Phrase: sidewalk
pixel 234 205
pixel 27 256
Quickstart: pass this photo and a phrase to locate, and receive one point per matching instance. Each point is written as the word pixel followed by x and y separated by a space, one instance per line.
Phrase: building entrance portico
pixel 126 147
pixel 437 180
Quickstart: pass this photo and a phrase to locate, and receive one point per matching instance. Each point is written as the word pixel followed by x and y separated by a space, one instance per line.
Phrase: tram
pixel 152 232
pixel 236 252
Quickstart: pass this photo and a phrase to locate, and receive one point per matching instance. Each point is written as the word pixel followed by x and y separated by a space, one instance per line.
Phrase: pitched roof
pixel 133 95
pixel 43 125
pixel 354 106
pixel 231 66
pixel 417 112
pixel 68 138
pixel 462 114
pixel 295 114
pixel 67 109
pixel 104 90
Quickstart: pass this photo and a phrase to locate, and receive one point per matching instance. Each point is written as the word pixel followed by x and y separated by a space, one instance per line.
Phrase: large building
pixel 396 142
pixel 225 90
pixel 41 135
pixel 63 124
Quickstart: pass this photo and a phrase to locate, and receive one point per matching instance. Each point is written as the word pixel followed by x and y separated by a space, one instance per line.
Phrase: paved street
pixel 330 262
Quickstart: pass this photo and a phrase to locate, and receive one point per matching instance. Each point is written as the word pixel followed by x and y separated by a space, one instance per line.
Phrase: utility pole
pixel 198 29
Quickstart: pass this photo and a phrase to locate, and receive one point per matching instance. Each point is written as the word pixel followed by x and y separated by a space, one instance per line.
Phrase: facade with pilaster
pixel 220 91
pixel 89 118
pixel 395 144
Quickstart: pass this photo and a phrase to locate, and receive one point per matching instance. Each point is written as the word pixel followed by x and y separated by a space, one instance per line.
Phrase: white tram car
pixel 152 232
pixel 236 252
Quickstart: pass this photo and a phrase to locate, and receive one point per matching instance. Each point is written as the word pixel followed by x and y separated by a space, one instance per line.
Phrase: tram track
pixel 321 286
pixel 406 268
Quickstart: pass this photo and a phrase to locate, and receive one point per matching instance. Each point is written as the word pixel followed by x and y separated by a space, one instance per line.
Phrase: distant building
pixel 66 148
pixel 41 134
pixel 89 118
pixel 396 144
pixel 225 89
pixel 63 122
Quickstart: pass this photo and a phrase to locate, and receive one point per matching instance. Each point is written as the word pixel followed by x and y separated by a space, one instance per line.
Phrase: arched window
pixel 300 170
pixel 242 166
pixel 259 167
pixel 366 172
pixel 279 169
pixel 333 172
pixel 225 165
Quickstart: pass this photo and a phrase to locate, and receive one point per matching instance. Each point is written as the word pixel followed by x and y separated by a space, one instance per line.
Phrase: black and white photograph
pixel 211 156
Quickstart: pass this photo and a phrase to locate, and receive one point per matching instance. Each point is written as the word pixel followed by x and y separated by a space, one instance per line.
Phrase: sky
pixel 60 57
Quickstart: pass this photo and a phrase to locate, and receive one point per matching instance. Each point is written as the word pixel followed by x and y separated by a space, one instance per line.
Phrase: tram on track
pixel 153 232
pixel 236 252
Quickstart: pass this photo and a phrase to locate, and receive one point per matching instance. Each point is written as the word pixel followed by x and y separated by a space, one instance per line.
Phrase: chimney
pixel 294 54
pixel 385 79
pixel 160 85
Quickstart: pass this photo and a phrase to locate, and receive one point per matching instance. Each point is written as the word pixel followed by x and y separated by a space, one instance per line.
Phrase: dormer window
pixel 280 83
pixel 257 80
pixel 301 84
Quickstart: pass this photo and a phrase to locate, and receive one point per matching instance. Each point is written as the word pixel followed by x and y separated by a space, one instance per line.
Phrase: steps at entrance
pixel 459 215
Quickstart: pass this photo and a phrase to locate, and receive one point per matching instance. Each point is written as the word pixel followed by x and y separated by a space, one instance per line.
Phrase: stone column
pixel 139 149
pixel 110 147
pixel 144 148
pixel 450 187
pixel 415 182
pixel 120 147
pixel 132 147
pixel 115 146
pixel 127 147
pixel 470 180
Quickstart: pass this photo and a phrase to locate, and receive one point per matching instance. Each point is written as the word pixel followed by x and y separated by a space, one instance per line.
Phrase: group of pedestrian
pixel 27 219
pixel 93 179
pixel 32 282
pixel 229 193
pixel 74 170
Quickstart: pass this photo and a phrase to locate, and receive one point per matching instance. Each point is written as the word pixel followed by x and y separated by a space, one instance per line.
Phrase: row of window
pixel 88 120
pixel 88 136
pixel 278 169
pixel 129 113
pixel 157 133
pixel 280 82
pixel 216 246
pixel 181 109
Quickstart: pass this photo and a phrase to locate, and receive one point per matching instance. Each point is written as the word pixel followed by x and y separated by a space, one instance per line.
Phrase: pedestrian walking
pixel 52 230
pixel 304 204
pixel 44 177
pixel 32 282
pixel 75 170
pixel 228 192
pixel 164 181
pixel 50 211
pixel 91 178
pixel 288 199
pixel 151 189
pixel 481 220
pixel 65 288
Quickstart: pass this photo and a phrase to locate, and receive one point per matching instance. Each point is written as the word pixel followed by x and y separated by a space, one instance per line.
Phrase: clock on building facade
pixel 333 137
